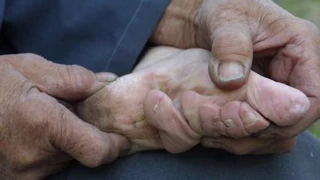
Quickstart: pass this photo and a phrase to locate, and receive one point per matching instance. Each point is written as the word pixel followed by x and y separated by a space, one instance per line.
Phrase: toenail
pixel 249 118
pixel 229 123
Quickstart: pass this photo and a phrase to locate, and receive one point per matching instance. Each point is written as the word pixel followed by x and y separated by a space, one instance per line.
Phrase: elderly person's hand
pixel 244 33
pixel 38 135
pixel 158 105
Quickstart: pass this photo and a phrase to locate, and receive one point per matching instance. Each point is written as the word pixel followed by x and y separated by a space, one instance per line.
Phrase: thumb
pixel 84 142
pixel 232 56
pixel 68 82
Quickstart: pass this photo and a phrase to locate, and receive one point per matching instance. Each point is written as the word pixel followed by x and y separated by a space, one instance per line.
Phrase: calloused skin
pixel 170 102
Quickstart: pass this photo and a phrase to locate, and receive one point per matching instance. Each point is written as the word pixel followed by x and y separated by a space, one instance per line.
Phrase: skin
pixel 286 48
pixel 39 136
pixel 247 34
pixel 170 102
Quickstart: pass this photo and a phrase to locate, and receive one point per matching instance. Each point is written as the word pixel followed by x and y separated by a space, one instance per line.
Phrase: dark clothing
pixel 208 164
pixel 109 35
pixel 101 35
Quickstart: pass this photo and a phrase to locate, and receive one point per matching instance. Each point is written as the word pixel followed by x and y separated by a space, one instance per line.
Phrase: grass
pixel 310 10
pixel 307 9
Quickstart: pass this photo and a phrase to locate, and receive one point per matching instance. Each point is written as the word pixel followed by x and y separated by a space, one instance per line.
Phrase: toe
pixel 278 102
pixel 175 133
pixel 231 119
pixel 252 121
pixel 209 117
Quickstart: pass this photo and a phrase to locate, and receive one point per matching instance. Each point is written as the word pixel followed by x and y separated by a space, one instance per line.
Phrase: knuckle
pixel 31 56
pixel 305 29
pixel 309 26
pixel 27 56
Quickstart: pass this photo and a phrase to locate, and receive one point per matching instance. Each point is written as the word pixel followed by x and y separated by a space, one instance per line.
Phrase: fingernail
pixel 229 123
pixel 229 71
pixel 249 118
pixel 106 77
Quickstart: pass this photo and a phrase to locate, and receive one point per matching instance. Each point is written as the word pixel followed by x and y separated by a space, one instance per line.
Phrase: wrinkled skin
pixel 170 102
pixel 249 34
pixel 38 135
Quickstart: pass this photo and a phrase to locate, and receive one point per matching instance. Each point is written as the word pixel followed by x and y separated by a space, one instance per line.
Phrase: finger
pixel 62 81
pixel 232 55
pixel 284 146
pixel 175 133
pixel 106 77
pixel 82 141
pixel 241 146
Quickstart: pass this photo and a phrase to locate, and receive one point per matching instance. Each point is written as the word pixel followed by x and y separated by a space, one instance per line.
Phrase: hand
pixel 241 33
pixel 38 135
pixel 158 105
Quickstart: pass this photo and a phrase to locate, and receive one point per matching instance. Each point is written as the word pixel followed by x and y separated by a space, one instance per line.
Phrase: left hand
pixel 283 47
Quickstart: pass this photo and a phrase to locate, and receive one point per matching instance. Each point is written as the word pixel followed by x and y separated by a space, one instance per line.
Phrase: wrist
pixel 178 25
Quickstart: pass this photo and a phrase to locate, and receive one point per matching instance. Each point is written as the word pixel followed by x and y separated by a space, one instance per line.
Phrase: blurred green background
pixel 310 10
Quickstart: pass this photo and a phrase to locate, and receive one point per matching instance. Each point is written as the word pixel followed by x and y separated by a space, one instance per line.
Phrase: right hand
pixel 38 135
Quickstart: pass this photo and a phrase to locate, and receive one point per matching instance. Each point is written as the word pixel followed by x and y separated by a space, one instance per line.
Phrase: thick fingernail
pixel 229 71
pixel 106 77
pixel 229 123
pixel 249 119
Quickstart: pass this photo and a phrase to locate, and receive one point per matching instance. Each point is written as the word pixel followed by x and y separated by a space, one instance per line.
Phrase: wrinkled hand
pixel 244 33
pixel 38 135
pixel 170 102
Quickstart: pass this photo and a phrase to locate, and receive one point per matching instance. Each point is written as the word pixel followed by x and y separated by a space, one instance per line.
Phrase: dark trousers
pixel 302 163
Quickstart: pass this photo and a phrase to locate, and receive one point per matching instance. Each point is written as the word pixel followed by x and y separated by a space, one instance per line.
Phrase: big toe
pixel 278 102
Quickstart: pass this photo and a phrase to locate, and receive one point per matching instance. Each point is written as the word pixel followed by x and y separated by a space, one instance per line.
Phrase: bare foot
pixel 145 106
